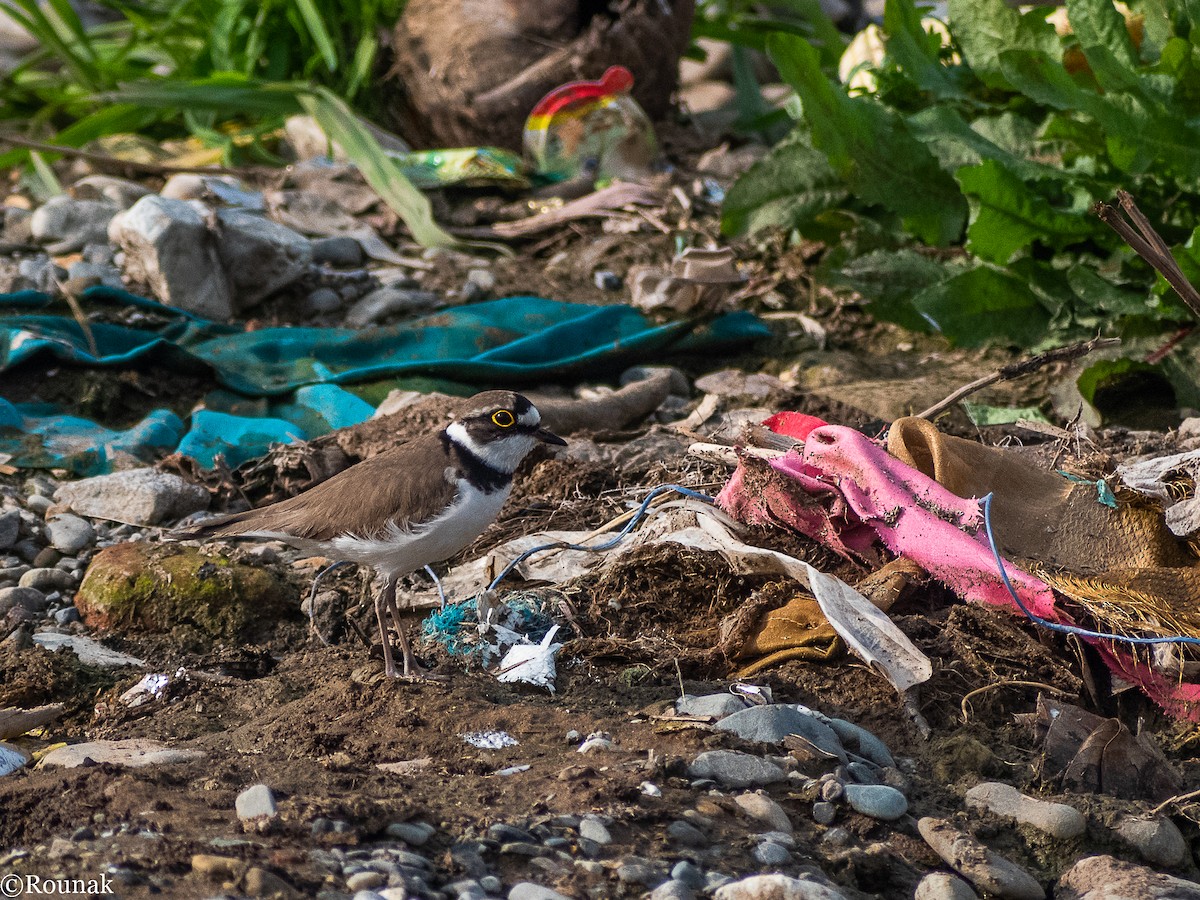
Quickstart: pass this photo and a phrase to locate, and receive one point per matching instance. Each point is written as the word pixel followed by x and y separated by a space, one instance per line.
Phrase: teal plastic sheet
pixel 295 371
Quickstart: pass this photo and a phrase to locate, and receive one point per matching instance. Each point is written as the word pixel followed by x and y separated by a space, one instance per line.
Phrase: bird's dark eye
pixel 503 418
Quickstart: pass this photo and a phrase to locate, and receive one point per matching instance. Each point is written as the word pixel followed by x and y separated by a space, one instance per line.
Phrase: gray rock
pixel 689 873
pixel 389 301
pixel 69 534
pixel 877 801
pixel 366 881
pixel 102 273
pixel 772 723
pixel 135 752
pixel 10 528
pixel 1105 878
pixel 38 504
pixel 47 580
pixel 104 187
pixel 764 809
pixel 66 615
pixel 24 597
pixel 944 886
pixel 772 854
pixel 858 739
pixel 734 769
pixel 716 705
pixel 1156 840
pixel 14 225
pixel 635 870
pixel 39 273
pixel 323 301
pixel 778 887
pixel 167 245
pixel 340 250
pixel 479 283
pixel 527 890
pixel 687 834
pixel 1056 819
pixel 504 833
pixel 136 496
pixel 592 829
pixel 260 257
pixel 673 890
pixel 824 813
pixel 988 871
pixel 257 802
pixel 415 834
pixel 67 224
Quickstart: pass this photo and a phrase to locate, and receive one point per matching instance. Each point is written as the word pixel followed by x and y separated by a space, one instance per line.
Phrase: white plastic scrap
pixel 11 759
pixel 531 663
pixel 868 632
pixel 490 740
pixel 1150 475
pixel 90 653
pixel 149 688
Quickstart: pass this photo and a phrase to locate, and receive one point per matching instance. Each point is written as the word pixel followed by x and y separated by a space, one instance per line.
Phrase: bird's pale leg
pixel 411 669
pixel 385 601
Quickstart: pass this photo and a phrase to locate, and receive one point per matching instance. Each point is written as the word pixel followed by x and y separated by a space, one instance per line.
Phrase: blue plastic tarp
pixel 513 341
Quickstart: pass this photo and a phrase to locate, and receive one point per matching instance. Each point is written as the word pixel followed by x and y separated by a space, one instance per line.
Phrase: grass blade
pixel 379 170
pixel 319 33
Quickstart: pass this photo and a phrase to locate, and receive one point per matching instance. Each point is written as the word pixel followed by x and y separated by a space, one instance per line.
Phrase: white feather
pixel 399 550
pixel 503 454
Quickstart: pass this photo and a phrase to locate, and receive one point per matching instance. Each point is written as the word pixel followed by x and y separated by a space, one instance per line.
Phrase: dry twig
pixel 1017 369
pixel 1139 234
pixel 965 706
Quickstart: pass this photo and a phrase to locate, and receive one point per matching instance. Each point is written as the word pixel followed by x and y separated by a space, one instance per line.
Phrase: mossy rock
pixel 155 588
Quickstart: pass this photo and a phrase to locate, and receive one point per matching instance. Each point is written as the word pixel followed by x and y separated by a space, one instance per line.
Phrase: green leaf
pixel 786 188
pixel 318 32
pixel 1007 217
pixel 888 281
pixel 380 171
pixel 938 124
pixel 982 305
pixel 871 148
pixel 1138 134
pixel 1098 23
pixel 982 415
pixel 984 28
pixel 917 51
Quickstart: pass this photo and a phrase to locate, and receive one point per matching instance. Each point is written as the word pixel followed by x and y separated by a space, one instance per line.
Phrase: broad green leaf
pixel 983 305
pixel 785 189
pixel 983 415
pixel 871 148
pixel 888 281
pixel 984 28
pixel 1007 217
pixel 1097 293
pixel 1137 135
pixel 917 51
pixel 381 172
pixel 1098 23
pixel 944 124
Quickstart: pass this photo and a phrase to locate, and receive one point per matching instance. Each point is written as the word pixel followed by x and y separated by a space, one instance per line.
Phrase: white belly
pixel 399 551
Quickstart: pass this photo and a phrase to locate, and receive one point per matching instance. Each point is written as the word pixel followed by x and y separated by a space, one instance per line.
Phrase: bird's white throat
pixel 503 454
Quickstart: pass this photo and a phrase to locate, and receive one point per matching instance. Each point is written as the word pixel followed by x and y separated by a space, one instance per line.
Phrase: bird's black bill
pixel 549 437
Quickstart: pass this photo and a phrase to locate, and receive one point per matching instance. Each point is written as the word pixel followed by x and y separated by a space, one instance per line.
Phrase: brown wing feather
pixel 361 500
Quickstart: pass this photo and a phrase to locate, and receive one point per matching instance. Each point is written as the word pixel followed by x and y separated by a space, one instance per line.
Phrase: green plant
pixel 993 144
pixel 215 69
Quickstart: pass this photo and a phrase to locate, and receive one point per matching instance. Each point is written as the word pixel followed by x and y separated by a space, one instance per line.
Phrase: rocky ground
pixel 217 742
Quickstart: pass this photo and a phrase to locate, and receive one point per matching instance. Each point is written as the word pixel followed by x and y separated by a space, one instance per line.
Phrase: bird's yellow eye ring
pixel 503 418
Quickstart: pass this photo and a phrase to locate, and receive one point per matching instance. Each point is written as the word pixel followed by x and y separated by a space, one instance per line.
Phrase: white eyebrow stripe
pixel 530 417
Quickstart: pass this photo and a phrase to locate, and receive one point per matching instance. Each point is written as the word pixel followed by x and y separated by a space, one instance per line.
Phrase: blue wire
pixel 616 539
pixel 986 502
